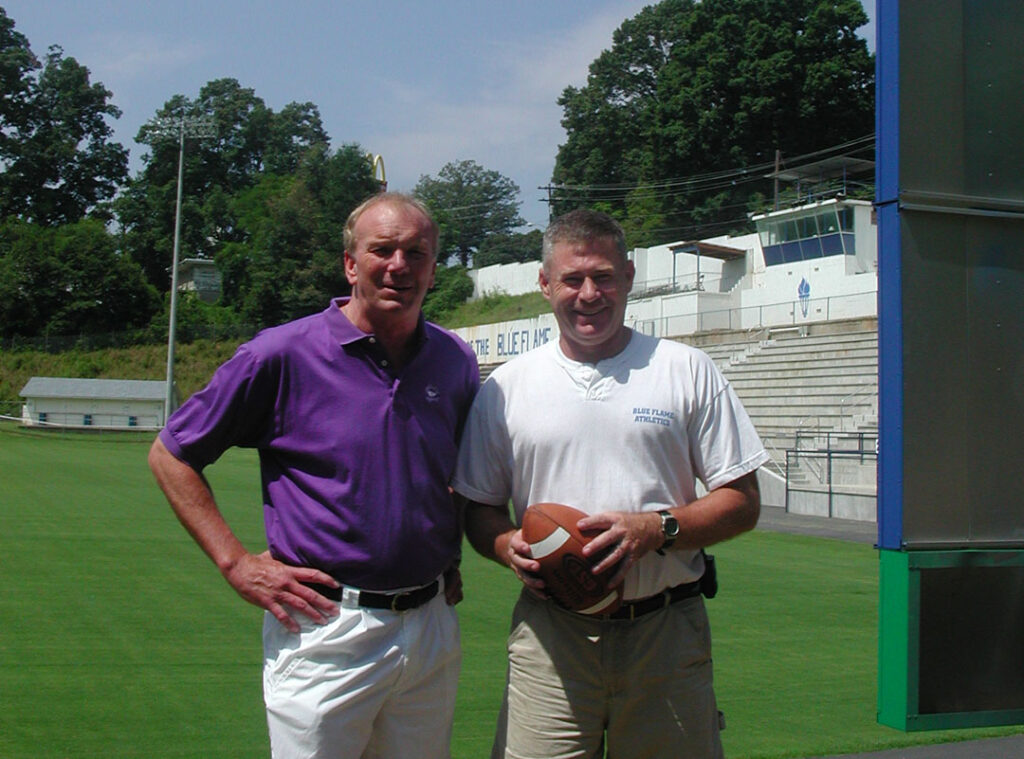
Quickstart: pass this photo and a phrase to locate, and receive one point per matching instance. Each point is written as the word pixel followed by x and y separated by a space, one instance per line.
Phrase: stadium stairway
pixel 820 381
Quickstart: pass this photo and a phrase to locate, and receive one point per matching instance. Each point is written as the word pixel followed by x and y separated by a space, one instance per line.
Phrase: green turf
pixel 118 638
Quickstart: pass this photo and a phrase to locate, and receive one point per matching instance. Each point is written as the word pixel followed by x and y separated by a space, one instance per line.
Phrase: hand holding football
pixel 557 545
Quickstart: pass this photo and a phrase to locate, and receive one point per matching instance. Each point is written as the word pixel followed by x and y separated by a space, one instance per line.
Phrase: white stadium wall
pixel 498 343
pixel 505 279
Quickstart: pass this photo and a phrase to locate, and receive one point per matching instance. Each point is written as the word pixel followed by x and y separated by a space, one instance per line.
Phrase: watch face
pixel 669 525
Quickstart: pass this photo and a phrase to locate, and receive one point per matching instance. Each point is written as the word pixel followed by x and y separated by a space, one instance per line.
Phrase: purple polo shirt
pixel 355 460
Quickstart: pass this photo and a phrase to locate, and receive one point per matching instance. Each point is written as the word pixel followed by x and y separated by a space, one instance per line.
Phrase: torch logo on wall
pixel 803 292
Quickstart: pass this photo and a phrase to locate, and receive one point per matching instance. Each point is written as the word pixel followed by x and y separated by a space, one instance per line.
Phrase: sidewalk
pixel 1010 747
pixel 776 519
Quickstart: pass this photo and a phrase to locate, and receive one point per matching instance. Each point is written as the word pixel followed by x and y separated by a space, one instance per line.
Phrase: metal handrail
pixel 855 394
pixel 701 319
pixel 773 462
pixel 830 487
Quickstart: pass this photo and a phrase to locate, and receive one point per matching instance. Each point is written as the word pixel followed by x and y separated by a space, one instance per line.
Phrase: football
pixel 557 544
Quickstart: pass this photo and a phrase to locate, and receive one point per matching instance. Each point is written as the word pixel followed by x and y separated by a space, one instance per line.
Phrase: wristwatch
pixel 669 528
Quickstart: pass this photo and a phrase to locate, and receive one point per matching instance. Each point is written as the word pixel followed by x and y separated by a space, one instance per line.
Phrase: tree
pixel 691 89
pixel 68 280
pixel 251 141
pixel 194 319
pixel 452 287
pixel 288 261
pixel 469 203
pixel 266 198
pixel 16 65
pixel 59 163
pixel 509 249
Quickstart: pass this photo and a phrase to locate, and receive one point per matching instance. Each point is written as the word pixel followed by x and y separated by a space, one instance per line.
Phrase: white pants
pixel 370 683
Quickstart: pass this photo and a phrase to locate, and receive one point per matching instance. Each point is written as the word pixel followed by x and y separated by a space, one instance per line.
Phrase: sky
pixel 419 83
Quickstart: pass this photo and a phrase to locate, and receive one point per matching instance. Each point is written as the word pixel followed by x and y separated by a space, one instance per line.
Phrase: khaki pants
pixel 641 689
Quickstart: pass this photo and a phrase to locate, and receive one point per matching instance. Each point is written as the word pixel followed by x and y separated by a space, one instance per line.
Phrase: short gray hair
pixel 579 226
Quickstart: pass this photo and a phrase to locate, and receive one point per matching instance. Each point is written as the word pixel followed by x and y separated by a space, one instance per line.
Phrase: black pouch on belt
pixel 709 580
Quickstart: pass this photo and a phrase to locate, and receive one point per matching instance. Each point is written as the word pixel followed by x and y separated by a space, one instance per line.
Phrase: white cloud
pixel 513 124
pixel 132 58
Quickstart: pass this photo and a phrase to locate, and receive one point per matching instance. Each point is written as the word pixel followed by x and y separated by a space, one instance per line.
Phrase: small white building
pixel 105 403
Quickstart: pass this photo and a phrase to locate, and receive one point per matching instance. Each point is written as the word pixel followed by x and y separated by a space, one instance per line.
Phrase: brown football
pixel 557 544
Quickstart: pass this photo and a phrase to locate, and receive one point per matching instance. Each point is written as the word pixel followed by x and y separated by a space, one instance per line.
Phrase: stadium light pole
pixel 185 127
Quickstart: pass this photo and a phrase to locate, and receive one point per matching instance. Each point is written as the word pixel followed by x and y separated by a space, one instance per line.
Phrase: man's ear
pixel 545 285
pixel 350 268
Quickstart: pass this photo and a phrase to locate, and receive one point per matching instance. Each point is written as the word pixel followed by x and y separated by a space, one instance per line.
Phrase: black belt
pixel 394 601
pixel 634 609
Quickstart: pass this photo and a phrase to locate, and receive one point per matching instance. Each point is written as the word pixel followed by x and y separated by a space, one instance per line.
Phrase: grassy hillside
pixel 496 308
pixel 195 362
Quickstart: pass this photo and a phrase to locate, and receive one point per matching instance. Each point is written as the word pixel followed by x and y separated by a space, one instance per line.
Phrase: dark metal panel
pixel 971 625
pixel 993 117
pixel 994 394
pixel 934 379
pixel 931 96
pixel 960 120
pixel 960 307
pixel 963 355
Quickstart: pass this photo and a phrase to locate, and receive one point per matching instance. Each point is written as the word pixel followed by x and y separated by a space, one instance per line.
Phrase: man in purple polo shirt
pixel 356 413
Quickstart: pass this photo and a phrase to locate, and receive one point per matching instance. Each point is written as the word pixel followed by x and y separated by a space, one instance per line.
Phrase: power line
pixel 696 184
pixel 715 179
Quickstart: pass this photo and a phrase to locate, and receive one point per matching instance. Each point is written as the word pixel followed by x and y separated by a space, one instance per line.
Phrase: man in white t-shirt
pixel 620 426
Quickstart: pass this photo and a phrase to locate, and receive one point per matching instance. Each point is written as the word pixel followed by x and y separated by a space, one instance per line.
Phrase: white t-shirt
pixel 632 433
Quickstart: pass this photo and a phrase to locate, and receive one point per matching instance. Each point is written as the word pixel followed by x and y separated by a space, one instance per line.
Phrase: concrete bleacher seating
pixel 818 382
pixel 813 396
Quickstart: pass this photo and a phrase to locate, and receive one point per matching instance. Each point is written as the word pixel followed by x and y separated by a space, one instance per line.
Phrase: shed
pixel 106 403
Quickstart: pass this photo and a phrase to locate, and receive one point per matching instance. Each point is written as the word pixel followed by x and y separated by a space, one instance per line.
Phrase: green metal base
pixel 951 639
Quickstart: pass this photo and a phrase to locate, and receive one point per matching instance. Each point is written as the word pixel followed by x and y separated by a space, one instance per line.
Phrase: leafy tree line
pixel 85 248
pixel 690 88
pixel 685 89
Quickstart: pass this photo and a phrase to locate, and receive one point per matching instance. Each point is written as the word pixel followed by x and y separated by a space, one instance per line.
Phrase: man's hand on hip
pixel 278 588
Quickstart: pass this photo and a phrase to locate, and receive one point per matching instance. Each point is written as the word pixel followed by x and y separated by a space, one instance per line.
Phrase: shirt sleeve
pixel 472 388
pixel 484 469
pixel 234 409
pixel 723 442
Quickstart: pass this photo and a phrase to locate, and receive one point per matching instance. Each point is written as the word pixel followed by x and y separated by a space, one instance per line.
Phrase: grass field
pixel 118 638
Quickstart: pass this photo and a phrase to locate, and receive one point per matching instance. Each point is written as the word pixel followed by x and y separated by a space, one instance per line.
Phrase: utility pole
pixel 549 200
pixel 199 128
